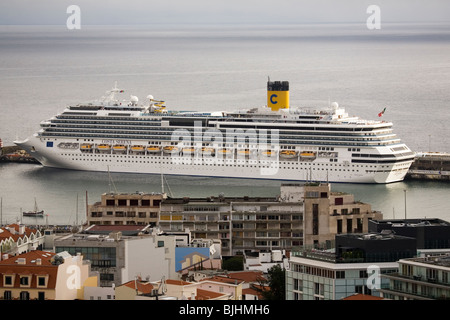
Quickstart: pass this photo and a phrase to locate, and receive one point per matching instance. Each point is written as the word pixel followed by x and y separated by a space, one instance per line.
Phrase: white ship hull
pixel 269 168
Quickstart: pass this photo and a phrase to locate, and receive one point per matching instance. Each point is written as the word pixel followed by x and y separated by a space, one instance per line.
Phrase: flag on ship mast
pixel 382 112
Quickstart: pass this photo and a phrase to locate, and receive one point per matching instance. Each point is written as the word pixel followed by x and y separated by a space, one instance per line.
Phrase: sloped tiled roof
pixel 360 296
pixel 247 276
pixel 5 234
pixel 207 295
pixel 142 287
pixel 29 267
pixel 223 280
pixel 178 282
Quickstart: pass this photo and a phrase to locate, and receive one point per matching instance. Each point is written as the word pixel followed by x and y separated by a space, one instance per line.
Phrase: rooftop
pixel 397 223
pixel 124 229
pixel 382 236
pixel 30 259
pixel 224 280
pixel 208 295
pixel 435 260
pixel 142 287
pixel 360 296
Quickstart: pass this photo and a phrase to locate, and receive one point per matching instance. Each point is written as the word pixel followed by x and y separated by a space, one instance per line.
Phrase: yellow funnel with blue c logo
pixel 278 95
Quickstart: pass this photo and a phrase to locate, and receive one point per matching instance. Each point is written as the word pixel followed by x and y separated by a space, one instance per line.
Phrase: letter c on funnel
pixel 271 99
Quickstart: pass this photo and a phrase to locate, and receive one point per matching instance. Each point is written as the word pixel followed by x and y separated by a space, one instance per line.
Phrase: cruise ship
pixel 275 141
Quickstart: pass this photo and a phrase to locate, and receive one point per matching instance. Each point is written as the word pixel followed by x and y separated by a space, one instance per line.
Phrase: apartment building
pixel 300 215
pixel 423 278
pixel 41 275
pixel 125 209
pixel 329 213
pixel 343 270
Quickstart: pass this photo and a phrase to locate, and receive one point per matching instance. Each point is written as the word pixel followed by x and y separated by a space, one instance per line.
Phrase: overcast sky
pixel 115 12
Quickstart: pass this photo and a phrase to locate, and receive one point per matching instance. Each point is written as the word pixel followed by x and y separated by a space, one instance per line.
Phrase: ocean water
pixel 404 68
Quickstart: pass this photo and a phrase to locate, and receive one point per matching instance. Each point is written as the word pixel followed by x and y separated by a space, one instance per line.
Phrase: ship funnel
pixel 278 95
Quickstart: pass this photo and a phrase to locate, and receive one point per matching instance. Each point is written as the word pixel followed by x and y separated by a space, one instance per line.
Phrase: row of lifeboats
pixel 119 148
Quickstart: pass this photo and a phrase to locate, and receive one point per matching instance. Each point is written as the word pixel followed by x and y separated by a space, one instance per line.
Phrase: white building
pixel 263 261
pixel 119 258
pixel 312 279
pixel 17 239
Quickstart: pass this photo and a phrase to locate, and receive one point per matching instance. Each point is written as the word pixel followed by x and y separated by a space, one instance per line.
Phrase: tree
pixel 235 263
pixel 276 281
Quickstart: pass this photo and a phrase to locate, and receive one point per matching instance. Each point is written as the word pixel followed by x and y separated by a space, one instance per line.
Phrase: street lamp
pixel 405 202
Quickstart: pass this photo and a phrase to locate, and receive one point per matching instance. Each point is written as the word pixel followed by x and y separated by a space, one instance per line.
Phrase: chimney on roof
pixel 21 229
pixel 12 230
pixel 38 261
pixel 116 235
pixel 21 261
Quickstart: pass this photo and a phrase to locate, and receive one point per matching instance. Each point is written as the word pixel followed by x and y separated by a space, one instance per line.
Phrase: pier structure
pixel 430 166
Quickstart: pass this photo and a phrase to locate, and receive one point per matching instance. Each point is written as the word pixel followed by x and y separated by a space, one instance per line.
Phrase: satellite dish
pixel 335 105
pixel 150 97
pixel 134 99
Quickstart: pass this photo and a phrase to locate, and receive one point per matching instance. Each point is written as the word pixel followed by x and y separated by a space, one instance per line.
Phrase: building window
pixel 298 284
pixel 349 225
pixel 24 280
pixel 41 281
pixel 339 226
pixel 315 218
pixel 7 295
pixel 444 277
pixel 41 295
pixel 431 274
pixel 24 295
pixel 8 280
pixel 318 290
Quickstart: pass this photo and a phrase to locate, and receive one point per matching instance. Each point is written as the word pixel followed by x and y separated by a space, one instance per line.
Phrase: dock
pixel 430 166
pixel 15 154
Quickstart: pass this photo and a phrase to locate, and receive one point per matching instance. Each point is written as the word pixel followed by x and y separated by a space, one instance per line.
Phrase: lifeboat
pixel 120 148
pixel 307 154
pixel 188 150
pixel 224 151
pixel 208 151
pixel 288 154
pixel 153 149
pixel 268 153
pixel 244 152
pixel 86 147
pixel 137 148
pixel 104 147
pixel 170 149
